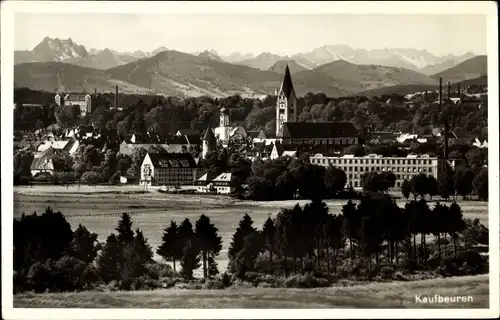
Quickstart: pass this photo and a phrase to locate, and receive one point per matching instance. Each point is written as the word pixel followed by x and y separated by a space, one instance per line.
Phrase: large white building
pixel 402 167
pixel 84 101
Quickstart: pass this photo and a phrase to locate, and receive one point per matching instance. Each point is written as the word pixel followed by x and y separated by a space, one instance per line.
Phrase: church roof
pixel 287 85
pixel 209 136
pixel 307 130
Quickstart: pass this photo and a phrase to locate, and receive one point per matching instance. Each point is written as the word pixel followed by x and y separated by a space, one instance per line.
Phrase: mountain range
pixel 56 64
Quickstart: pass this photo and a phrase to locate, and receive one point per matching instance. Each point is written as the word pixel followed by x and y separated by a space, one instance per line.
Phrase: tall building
pixel 209 144
pixel 286 104
pixel 83 101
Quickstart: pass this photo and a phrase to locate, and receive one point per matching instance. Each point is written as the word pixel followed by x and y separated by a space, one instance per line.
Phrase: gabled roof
pixel 287 85
pixel 307 130
pixel 172 160
pixel 223 177
pixel 43 160
pixel 76 96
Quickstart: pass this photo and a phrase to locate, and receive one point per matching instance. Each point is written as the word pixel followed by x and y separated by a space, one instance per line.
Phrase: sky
pixel 281 34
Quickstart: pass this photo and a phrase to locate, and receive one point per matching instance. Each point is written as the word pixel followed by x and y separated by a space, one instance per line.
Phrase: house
pixel 257 136
pixel 44 162
pixel 168 169
pixel 328 133
pixel 281 150
pixel 402 138
pixel 223 183
pixel 129 148
pixel 381 137
pixel 83 101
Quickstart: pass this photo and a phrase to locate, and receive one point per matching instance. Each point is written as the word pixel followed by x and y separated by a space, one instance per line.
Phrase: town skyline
pixel 279 34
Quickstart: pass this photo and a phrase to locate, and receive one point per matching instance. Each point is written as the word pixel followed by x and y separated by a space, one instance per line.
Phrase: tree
pixel 351 225
pixel 446 186
pixel 386 180
pixel 190 260
pixel 463 179
pixel 124 229
pixel 335 238
pixel 210 243
pixel 456 223
pixel 438 225
pixel 110 260
pixel 136 255
pixel 269 239
pixel 168 249
pixel 406 188
pixel 480 184
pixel 419 185
pixel 244 228
pixel 90 178
pixel 335 180
pixel 245 260
pixel 432 186
pixel 84 244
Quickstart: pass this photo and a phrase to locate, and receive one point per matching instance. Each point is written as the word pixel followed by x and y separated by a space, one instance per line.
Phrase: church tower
pixel 209 143
pixel 286 104
pixel 224 118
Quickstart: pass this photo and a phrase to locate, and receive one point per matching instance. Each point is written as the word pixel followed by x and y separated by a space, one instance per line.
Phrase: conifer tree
pixel 210 243
pixel 168 248
pixel 84 244
pixel 190 260
pixel 110 260
pixel 244 228
pixel 456 223
pixel 124 229
pixel 406 188
pixel 269 239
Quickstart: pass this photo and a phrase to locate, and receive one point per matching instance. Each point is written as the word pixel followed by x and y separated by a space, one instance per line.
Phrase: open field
pixel 99 209
pixel 373 295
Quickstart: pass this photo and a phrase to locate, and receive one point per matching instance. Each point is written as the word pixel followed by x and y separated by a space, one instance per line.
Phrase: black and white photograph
pixel 249 160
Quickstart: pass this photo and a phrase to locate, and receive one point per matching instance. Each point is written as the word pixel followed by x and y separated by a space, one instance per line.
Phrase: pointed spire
pixel 287 85
pixel 209 136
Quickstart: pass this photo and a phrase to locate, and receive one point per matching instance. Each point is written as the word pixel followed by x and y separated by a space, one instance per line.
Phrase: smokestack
pixel 458 89
pixel 449 90
pixel 116 98
pixel 95 92
pixel 445 120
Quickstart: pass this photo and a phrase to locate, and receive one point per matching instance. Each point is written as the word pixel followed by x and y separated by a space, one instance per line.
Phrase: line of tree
pixel 462 181
pixel 167 115
pixel 310 239
pixel 50 256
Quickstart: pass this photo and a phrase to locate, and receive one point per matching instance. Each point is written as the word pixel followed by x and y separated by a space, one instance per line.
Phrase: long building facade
pixel 402 167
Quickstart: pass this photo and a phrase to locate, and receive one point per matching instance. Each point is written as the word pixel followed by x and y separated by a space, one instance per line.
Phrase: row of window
pixel 351 176
pixel 342 141
pixel 382 169
pixel 372 161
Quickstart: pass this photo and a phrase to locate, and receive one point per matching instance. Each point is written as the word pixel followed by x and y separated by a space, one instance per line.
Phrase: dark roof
pixel 256 134
pixel 172 160
pixel 209 136
pixel 298 130
pixel 188 132
pixel 287 85
pixel 176 140
pixel 193 138
pixel 280 148
pixel 381 135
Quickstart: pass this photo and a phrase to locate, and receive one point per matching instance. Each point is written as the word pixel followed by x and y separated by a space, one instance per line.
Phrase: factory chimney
pixel 444 116
pixel 116 98
pixel 449 90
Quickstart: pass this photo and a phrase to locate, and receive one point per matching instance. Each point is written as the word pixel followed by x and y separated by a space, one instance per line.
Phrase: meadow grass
pixel 372 295
pixel 99 209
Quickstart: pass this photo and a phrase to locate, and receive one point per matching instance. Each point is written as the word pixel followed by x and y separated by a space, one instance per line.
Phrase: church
pixel 224 132
pixel 289 131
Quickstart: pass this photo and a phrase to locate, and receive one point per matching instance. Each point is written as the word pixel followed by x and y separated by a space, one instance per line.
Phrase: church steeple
pixel 286 103
pixel 209 143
